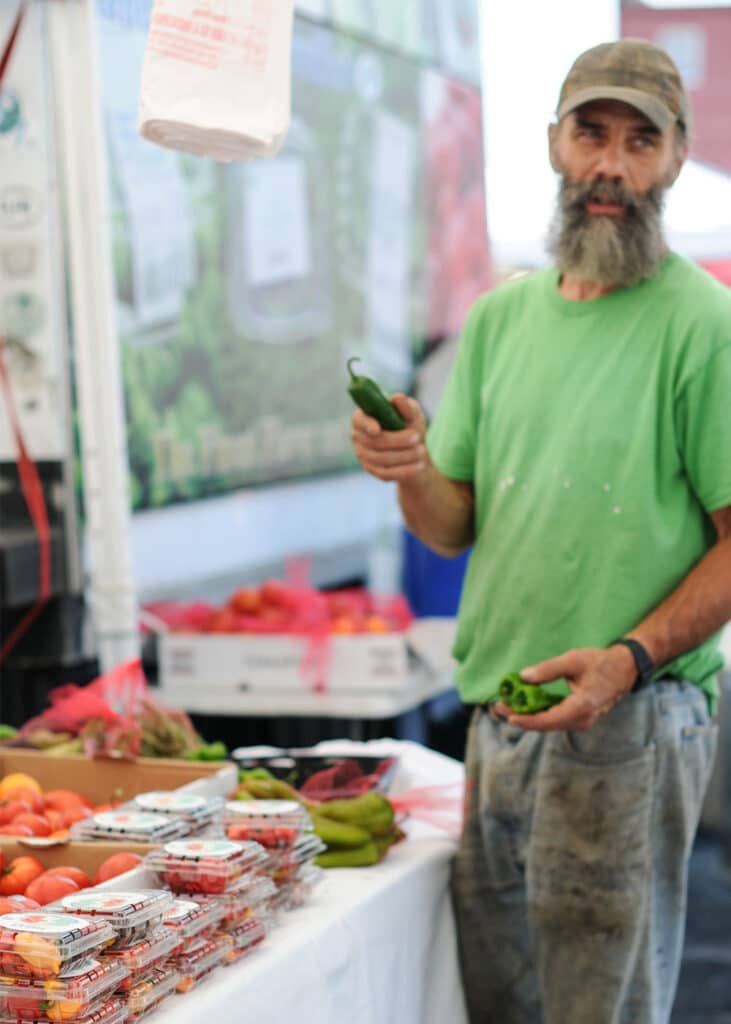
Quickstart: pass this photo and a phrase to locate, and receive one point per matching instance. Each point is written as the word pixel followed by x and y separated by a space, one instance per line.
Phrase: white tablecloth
pixel 372 946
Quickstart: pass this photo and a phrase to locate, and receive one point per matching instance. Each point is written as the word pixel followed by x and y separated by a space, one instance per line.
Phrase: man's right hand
pixel 398 455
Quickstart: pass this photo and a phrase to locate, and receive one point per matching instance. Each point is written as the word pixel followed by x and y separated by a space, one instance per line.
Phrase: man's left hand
pixel 598 677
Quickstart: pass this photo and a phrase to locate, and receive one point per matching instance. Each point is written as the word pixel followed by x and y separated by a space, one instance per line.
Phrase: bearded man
pixel 582 447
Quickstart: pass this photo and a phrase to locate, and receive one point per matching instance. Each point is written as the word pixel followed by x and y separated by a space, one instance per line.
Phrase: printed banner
pixel 243 288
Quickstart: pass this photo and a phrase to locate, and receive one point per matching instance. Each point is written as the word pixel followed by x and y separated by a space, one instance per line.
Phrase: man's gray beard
pixel 613 251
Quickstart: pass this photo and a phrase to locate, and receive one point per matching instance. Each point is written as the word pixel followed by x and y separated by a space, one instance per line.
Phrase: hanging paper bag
pixel 216 77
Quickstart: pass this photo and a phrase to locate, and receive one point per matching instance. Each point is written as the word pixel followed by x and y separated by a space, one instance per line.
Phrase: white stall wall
pixel 32 317
pixel 527 48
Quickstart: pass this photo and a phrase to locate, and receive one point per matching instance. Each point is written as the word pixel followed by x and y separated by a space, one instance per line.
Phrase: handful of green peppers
pixel 523 698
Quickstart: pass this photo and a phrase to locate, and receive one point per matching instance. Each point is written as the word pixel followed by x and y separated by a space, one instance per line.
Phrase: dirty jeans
pixel 570 881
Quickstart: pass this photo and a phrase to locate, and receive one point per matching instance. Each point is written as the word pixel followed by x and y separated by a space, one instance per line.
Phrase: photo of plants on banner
pixel 243 288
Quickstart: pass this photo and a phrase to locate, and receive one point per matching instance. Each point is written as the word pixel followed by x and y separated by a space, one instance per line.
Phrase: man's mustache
pixel 574 197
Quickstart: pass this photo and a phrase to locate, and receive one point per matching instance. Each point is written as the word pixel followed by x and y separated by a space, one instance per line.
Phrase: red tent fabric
pixel 720 269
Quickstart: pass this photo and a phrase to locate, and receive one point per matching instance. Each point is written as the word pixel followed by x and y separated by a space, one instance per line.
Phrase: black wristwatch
pixel 645 665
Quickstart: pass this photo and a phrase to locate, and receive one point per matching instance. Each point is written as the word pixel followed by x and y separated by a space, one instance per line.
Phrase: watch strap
pixel 644 663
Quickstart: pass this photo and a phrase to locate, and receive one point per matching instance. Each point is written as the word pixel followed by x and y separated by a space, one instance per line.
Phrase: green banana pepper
pixel 216 751
pixel 369 397
pixel 523 698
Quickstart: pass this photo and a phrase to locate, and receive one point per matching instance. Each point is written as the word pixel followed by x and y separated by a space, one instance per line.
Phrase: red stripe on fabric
pixel 32 489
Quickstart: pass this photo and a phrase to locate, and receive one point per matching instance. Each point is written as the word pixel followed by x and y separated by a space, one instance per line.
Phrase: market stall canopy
pixel 697 215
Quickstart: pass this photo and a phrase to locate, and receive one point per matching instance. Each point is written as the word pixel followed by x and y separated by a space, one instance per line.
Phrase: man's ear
pixel 679 157
pixel 553 147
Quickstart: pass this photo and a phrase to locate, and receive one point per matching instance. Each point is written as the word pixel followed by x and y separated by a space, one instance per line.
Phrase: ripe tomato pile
pixel 279 607
pixel 25 810
pixel 25 884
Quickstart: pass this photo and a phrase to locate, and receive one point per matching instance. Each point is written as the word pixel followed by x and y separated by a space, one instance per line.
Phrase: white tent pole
pixel 111 590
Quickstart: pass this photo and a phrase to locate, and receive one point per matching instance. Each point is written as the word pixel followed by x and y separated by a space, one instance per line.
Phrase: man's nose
pixel 611 164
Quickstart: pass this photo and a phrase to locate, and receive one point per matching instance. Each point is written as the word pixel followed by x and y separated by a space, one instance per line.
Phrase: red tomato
pixel 180 882
pixel 276 838
pixel 14 965
pixel 15 830
pixel 211 878
pixel 246 600
pixel 278 593
pixel 2 861
pixel 75 874
pixel 10 808
pixel 64 799
pixel 73 814
pixel 22 1004
pixel 54 818
pixel 18 875
pixel 115 865
pixel 275 615
pixel 36 823
pixel 224 621
pixel 49 888
pixel 60 834
pixel 31 797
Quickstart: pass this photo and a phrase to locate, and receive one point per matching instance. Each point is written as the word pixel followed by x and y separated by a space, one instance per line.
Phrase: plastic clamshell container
pixel 198 961
pixel 198 811
pixel 134 826
pixel 145 955
pixel 284 863
pixel 148 993
pixel 204 865
pixel 45 943
pixel 74 995
pixel 254 898
pixel 113 1011
pixel 244 938
pixel 302 885
pixel 133 915
pixel 189 919
pixel 276 824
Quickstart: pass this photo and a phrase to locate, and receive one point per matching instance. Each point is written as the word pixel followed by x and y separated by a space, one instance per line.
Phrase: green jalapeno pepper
pixel 523 698
pixel 368 396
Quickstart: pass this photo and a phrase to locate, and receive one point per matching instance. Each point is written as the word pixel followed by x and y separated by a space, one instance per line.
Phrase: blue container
pixel 432 584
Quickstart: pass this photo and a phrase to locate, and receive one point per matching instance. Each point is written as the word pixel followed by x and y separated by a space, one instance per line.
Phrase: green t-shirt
pixel 597 436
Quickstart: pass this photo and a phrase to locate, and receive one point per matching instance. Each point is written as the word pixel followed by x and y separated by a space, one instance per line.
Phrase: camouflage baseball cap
pixel 632 71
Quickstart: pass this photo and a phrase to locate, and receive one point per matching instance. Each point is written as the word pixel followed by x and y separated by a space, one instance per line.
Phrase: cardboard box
pixel 102 779
pixel 87 856
pixel 230 663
